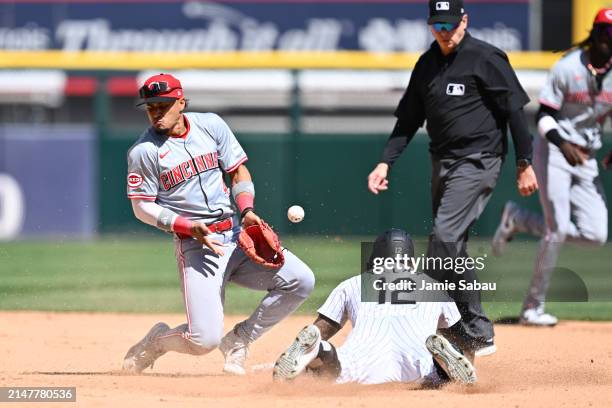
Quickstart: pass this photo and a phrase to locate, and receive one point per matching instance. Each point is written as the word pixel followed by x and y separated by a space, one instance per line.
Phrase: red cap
pixel 604 16
pixel 161 88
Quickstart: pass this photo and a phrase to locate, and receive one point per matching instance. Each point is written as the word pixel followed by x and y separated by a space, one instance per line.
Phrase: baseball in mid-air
pixel 295 213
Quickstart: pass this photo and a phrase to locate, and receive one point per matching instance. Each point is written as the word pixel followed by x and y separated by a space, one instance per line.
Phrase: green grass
pixel 138 274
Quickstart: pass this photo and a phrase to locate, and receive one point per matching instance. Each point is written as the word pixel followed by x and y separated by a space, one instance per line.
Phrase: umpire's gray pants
pixel 460 191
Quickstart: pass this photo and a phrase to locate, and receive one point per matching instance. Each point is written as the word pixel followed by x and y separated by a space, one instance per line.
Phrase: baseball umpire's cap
pixel 449 11
pixel 161 88
pixel 604 16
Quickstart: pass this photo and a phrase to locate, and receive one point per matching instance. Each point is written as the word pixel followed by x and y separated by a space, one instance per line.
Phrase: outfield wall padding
pixel 326 174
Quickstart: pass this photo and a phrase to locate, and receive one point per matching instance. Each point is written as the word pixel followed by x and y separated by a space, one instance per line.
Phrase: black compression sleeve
pixel 523 148
pixel 546 111
pixel 552 135
pixel 402 134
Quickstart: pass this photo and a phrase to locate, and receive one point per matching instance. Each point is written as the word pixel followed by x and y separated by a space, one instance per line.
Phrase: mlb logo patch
pixel 455 89
pixel 442 5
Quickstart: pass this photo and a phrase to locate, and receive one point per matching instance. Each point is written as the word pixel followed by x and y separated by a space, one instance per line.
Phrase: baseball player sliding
pixel 388 343
pixel 176 183
pixel 574 105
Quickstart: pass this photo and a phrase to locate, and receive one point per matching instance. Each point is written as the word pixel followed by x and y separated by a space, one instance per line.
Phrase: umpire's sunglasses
pixel 154 89
pixel 444 26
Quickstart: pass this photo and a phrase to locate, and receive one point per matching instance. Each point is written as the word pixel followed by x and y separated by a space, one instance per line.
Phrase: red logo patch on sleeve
pixel 134 180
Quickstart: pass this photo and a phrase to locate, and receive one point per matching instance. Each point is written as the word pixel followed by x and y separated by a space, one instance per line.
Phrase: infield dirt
pixel 565 366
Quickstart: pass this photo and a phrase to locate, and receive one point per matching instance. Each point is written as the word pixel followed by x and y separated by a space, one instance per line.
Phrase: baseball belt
pixel 221 226
pixel 215 228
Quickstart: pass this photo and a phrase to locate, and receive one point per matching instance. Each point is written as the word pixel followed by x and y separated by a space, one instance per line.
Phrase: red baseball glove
pixel 261 244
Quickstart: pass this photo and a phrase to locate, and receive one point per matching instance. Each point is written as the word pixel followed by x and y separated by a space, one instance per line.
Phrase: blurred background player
pixel 574 105
pixel 176 183
pixel 388 342
pixel 467 92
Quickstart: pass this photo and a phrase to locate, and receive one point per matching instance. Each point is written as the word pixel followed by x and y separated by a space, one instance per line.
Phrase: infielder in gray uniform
pixel 176 183
pixel 575 103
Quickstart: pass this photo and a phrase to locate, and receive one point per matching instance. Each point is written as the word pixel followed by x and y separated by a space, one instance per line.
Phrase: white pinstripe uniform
pixel 387 342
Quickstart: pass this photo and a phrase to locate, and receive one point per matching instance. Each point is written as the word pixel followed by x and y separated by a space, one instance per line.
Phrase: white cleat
pixel 235 351
pixel 505 230
pixel 296 358
pixel 455 364
pixel 144 353
pixel 537 317
pixel 487 349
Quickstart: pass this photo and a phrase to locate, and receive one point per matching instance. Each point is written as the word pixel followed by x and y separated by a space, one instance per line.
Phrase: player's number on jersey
pixel 396 298
pixel 12 209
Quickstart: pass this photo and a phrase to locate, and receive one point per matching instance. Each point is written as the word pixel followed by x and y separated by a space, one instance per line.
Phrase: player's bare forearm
pixel 244 195
pixel 240 174
pixel 327 327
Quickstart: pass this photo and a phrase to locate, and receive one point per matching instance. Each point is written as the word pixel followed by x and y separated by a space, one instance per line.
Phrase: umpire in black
pixel 469 95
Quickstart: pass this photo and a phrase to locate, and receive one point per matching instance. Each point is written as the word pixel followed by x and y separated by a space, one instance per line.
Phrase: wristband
pixel 243 187
pixel 182 225
pixel 166 219
pixel 246 210
pixel 245 201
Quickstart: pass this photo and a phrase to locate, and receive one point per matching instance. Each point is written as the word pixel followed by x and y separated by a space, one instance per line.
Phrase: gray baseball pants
pixel 204 275
pixel 574 206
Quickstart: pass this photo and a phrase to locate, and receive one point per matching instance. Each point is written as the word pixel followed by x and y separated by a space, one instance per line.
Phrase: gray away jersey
pixel 571 89
pixel 387 342
pixel 185 174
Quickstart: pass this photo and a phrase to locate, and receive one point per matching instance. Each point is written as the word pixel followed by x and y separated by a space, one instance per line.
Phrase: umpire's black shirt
pixel 466 98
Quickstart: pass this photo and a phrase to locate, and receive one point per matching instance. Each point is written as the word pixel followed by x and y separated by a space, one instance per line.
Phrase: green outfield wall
pixel 326 174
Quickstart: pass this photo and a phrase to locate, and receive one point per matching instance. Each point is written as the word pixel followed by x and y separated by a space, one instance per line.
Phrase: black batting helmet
pixel 391 243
